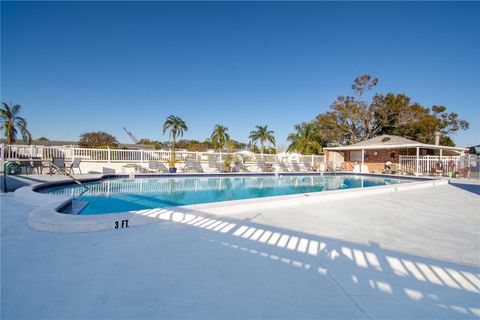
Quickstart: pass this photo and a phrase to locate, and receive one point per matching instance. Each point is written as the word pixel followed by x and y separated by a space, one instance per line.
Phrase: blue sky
pixel 83 66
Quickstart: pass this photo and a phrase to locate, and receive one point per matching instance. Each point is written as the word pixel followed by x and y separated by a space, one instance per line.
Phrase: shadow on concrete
pixel 385 283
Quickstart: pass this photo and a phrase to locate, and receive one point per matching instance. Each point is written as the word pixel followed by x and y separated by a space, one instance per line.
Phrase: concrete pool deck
pixel 409 254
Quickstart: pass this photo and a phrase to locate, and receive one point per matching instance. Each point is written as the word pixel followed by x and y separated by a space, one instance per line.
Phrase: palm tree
pixel 11 122
pixel 263 135
pixel 177 127
pixel 219 137
pixel 306 140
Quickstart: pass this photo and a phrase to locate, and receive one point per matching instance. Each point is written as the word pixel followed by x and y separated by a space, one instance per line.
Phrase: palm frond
pixel 15 109
pixel 10 121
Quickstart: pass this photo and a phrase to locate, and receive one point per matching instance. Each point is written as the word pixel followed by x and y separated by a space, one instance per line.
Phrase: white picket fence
pixel 427 165
pixel 15 152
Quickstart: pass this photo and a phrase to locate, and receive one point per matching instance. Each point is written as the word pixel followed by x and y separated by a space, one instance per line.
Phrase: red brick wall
pixel 376 159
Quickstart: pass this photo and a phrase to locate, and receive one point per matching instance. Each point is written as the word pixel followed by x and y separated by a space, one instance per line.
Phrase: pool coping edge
pixel 45 216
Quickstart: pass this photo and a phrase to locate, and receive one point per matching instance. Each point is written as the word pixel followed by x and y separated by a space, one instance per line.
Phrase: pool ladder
pixel 64 172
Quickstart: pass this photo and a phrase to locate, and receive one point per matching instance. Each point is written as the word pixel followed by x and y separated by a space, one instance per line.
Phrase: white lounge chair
pixel 239 167
pixel 213 164
pixel 189 166
pixel 157 167
pixel 308 166
pixel 295 166
pixel 283 166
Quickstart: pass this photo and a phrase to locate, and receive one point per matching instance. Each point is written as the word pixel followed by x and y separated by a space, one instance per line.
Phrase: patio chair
pixel 37 164
pixel 390 168
pixel 162 168
pixel 338 166
pixel 283 166
pixel 333 167
pixel 213 164
pixel 268 167
pixel 295 166
pixel 239 167
pixel 437 169
pixel 260 166
pixel 58 165
pixel 189 166
pixel 156 167
pixel 225 169
pixel 152 166
pixel 463 172
pixel 75 165
pixel 308 166
pixel 25 165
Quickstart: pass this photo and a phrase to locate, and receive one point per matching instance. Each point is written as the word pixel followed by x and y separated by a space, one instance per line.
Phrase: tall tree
pixel 306 140
pixel 11 123
pixel 219 137
pixel 351 120
pixel 263 135
pixel 233 145
pixel 97 139
pixel 363 83
pixel 177 127
pixel 424 122
pixel 395 114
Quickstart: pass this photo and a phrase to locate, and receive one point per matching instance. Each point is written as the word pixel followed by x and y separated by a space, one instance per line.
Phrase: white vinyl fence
pixel 15 152
pixel 432 165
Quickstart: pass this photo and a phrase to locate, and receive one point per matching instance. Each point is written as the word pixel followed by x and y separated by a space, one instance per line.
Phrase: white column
pixel 441 154
pixel 418 160
pixel 363 159
pixel 3 150
pixel 400 163
pixel 428 163
pixel 108 155
pixel 141 155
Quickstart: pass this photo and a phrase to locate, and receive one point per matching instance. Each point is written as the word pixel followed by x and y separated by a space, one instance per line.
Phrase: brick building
pixel 372 155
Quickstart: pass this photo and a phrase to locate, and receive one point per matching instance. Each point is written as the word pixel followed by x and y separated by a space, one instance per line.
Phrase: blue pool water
pixel 120 195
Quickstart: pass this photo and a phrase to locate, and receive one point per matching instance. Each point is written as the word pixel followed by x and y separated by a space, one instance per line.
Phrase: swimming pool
pixel 113 195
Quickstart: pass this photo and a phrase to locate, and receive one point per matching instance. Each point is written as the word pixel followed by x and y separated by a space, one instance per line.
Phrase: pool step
pixel 75 207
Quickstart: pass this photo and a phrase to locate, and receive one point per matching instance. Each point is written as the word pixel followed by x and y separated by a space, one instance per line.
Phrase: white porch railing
pixel 426 165
pixel 15 152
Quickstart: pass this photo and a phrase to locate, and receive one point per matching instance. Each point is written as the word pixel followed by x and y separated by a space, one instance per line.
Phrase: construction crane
pixel 135 140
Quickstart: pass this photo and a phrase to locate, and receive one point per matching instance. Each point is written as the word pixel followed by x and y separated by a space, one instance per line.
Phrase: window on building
pixel 356 156
pixel 392 155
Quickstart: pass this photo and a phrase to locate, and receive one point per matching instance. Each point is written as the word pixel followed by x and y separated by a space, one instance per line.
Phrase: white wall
pixel 116 167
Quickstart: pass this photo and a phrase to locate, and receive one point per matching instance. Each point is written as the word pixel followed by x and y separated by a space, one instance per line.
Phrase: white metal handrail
pixel 14 152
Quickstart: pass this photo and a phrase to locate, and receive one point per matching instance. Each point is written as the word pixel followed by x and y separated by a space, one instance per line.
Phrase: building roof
pixel 391 142
pixel 384 140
